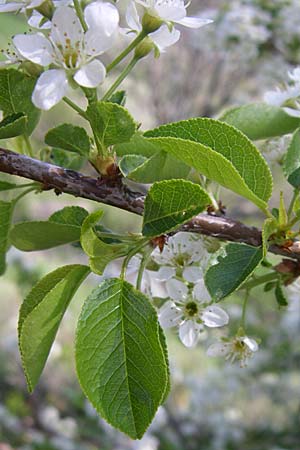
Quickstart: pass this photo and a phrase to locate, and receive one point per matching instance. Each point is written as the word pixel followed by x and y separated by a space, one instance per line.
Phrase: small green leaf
pixel 235 263
pixel 171 203
pixel 32 236
pixel 138 145
pixel 118 97
pixel 69 137
pixel 99 252
pixel 13 125
pixel 120 361
pixel 15 96
pixel 41 314
pixel 223 140
pixel 261 121
pixel 6 211
pixel 70 215
pixel 5 186
pixel 66 159
pixel 111 123
pixel 282 217
pixel 269 227
pixel 161 166
pixel 291 165
pixel 280 296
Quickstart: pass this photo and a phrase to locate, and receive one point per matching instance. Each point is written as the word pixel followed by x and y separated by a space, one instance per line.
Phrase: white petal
pixel 165 273
pixel 213 316
pixel 132 17
pixel 189 332
pixel 10 7
pixel 169 315
pixel 34 47
pixel 66 26
pixel 251 343
pixel 164 38
pixel 200 292
pixel 171 11
pixel 292 112
pixel 97 42
pixel 35 3
pixel 102 16
pixel 176 290
pixel 219 349
pixel 192 274
pixel 36 19
pixel 193 22
pixel 50 89
pixel 90 75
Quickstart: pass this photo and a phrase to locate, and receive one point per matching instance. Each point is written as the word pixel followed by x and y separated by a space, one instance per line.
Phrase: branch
pixel 113 192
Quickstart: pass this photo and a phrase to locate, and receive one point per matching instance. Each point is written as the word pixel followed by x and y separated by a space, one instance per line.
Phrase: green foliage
pixel 261 121
pixel 100 253
pixel 41 314
pixel 118 97
pixel 235 263
pixel 226 141
pixel 138 145
pixel 5 186
pixel 280 296
pixel 121 362
pixel 171 203
pixel 6 210
pixel 15 96
pixel 269 227
pixel 69 137
pixel 111 123
pixel 70 215
pixel 66 159
pixel 291 165
pixel 13 125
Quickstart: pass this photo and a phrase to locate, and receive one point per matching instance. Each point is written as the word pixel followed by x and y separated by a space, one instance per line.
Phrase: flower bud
pixel 144 48
pixel 151 23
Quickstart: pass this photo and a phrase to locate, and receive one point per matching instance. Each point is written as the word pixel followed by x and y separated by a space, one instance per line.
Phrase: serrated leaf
pixel 291 164
pixel 119 357
pixel 234 265
pixel 70 215
pixel 161 166
pixel 6 211
pixel 230 143
pixel 13 125
pixel 261 121
pixel 111 123
pixel 100 253
pixel 69 137
pixel 66 159
pixel 171 203
pixel 118 97
pixel 15 96
pixel 41 314
pixel 32 236
pixel 280 296
pixel 6 186
pixel 138 145
pixel 214 166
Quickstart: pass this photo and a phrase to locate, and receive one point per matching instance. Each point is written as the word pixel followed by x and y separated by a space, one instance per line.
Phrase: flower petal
pixel 97 42
pixel 193 22
pixel 102 16
pixel 169 315
pixel 177 290
pixel 192 274
pixel 200 292
pixel 34 47
pixel 170 11
pixel 10 7
pixel 66 28
pixel 213 316
pixel 164 38
pixel 50 89
pixel 90 75
pixel 132 17
pixel 251 343
pixel 189 332
pixel 219 349
pixel 164 273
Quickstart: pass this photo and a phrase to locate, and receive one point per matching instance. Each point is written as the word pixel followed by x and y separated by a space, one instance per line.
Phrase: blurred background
pixel 213 405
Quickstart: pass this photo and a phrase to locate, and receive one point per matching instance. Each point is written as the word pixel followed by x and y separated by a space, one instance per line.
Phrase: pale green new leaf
pixel 171 203
pixel 41 314
pixel 261 121
pixel 230 143
pixel 69 137
pixel 235 263
pixel 291 165
pixel 70 215
pixel 6 186
pixel 120 359
pixel 13 125
pixel 6 210
pixel 269 227
pixel 99 252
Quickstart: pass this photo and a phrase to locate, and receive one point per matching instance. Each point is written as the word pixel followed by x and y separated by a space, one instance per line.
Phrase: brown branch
pixel 113 192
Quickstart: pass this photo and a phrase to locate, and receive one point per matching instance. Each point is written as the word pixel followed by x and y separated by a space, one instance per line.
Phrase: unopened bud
pixel 151 23
pixel 105 166
pixel 144 48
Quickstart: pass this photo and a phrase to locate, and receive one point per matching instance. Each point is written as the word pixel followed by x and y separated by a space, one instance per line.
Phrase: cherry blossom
pixel 239 348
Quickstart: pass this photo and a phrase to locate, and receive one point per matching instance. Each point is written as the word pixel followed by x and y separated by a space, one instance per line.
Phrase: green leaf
pixel 138 145
pixel 15 96
pixel 217 168
pixel 291 165
pixel 6 211
pixel 99 252
pixel 5 186
pixel 261 121
pixel 280 296
pixel 120 361
pixel 13 125
pixel 70 215
pixel 226 141
pixel 69 137
pixel 161 166
pixel 118 97
pixel 171 203
pixel 65 159
pixel 32 236
pixel 269 227
pixel 111 123
pixel 41 314
pixel 235 263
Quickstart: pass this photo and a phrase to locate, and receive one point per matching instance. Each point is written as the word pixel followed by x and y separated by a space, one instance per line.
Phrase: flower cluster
pixel 287 97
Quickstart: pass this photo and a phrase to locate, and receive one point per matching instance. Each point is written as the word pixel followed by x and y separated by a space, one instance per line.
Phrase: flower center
pixel 191 309
pixel 70 54
pixel 181 259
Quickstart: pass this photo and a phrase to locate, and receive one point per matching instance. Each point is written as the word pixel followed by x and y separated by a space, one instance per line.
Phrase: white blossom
pixel 190 311
pixel 70 51
pixel 239 348
pixel 288 97
pixel 21 5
